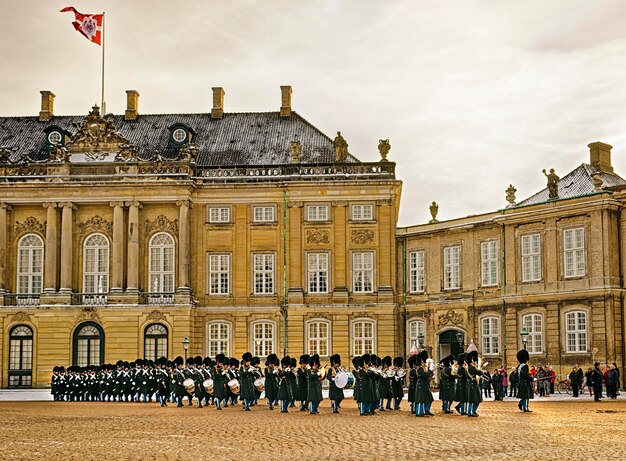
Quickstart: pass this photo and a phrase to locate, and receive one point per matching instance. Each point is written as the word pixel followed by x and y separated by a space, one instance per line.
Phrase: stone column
pixel 66 247
pixel 50 255
pixel 294 241
pixel 4 208
pixel 132 267
pixel 385 257
pixel 183 243
pixel 117 272
pixel 341 264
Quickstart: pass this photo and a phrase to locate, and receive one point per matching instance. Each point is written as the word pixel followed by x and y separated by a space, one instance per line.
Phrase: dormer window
pixel 181 134
pixel 55 136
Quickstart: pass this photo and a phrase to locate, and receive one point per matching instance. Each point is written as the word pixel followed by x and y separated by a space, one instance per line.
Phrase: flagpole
pixel 103 107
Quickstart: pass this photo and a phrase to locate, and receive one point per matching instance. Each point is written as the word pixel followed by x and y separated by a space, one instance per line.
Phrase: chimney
pixel 600 156
pixel 47 106
pixel 132 105
pixel 285 108
pixel 218 102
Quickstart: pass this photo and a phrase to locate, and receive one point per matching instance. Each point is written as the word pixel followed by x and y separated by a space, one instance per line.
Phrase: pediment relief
pixel 96 134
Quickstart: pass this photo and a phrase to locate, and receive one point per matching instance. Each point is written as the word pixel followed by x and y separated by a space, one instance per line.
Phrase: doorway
pixel 451 342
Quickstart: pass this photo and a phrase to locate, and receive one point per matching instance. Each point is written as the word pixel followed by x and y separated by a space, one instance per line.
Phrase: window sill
pixel 219 224
pixel 264 223
pixel 361 221
pixel 314 222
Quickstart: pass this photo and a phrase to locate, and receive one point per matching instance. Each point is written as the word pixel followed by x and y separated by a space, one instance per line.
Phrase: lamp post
pixel 460 337
pixel 186 346
pixel 524 335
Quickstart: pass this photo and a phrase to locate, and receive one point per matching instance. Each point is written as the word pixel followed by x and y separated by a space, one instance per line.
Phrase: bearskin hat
pixel 472 357
pixel 272 359
pixel 411 360
pixel 246 357
pixel 386 361
pixel 355 360
pixel 460 359
pixel 55 369
pixel 367 359
pixel 374 360
pixel 162 361
pixel 220 358
pixel 233 362
pixel 446 361
pixel 294 362
pixel 139 362
pixel 256 360
pixel 120 363
pixel 359 362
pixel 335 359
pixel 285 361
pixel 206 361
pixel 189 361
pixel 398 362
pixel 523 356
pixel 126 365
pixel 179 361
pixel 197 360
pixel 304 359
pixel 314 360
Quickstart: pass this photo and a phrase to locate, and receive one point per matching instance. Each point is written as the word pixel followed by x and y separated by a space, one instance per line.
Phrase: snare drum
pixel 189 385
pixel 341 379
pixel 259 383
pixel 233 385
pixel 208 386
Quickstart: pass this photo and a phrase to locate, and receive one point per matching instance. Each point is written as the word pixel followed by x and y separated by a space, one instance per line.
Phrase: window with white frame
pixel 363 272
pixel 88 345
pixel 219 215
pixel 161 276
pixel 20 356
pixel 218 337
pixel 263 213
pixel 489 263
pixel 29 264
pixel 576 331
pixel 362 212
pixel 574 252
pixel 263 273
pixel 96 264
pixel 451 267
pixel 155 342
pixel 263 338
pixel 219 274
pixel 534 326
pixel 317 264
pixel 490 332
pixel 317 213
pixel 363 337
pixel 417 262
pixel 417 333
pixel 531 258
pixel 318 337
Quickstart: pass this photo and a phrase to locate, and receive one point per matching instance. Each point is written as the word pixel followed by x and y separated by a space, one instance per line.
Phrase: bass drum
pixel 341 379
pixel 259 383
pixel 233 385
pixel 189 385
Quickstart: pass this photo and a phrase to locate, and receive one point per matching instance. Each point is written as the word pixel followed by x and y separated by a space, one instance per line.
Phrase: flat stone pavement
pixel 556 430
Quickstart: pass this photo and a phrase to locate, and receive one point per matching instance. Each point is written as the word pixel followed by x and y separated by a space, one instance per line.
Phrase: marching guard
pixel 525 390
pixel 474 395
pixel 285 390
pixel 423 396
pixel 461 385
pixel 335 394
pixel 447 384
pixel 314 380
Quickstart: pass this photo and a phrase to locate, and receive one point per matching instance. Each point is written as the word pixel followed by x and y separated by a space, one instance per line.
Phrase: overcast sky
pixel 472 95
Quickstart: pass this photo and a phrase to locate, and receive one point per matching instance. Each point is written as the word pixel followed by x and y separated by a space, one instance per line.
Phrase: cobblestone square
pixel 125 431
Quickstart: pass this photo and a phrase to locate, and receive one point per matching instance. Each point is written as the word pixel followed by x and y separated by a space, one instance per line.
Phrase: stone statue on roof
pixel 296 150
pixel 96 132
pixel 58 154
pixel 341 148
pixel 553 183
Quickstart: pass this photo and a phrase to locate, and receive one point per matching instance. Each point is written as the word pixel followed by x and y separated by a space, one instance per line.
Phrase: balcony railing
pixel 89 299
pixel 156 299
pixel 21 299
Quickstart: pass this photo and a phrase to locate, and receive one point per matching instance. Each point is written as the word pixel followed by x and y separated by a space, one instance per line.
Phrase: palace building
pixel 123 235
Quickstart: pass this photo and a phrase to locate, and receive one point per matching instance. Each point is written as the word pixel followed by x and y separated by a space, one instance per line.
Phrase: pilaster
pixel 341 257
pixel 183 242
pixel 50 255
pixel 295 294
pixel 4 209
pixel 66 246
pixel 117 266
pixel 132 266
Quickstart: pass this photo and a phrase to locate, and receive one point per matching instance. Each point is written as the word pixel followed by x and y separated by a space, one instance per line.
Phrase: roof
pixel 259 138
pixel 575 184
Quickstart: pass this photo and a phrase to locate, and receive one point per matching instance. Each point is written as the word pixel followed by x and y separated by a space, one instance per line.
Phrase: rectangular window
pixel 317 213
pixel 219 215
pixel 362 212
pixel 363 272
pixel 451 268
pixel 534 326
pixel 531 258
pixel 574 252
pixel 417 334
pixel 263 213
pixel 219 274
pixel 363 337
pixel 491 335
pixel 218 339
pixel 263 274
pixel 489 263
pixel 318 272
pixel 576 331
pixel 263 339
pixel 417 260
pixel 318 338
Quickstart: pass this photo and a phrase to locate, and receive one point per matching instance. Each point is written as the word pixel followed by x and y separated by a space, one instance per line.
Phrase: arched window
pixel 29 268
pixel 490 333
pixel 534 326
pixel 416 334
pixel 576 331
pixel 363 337
pixel 161 276
pixel 318 337
pixel 96 269
pixel 218 337
pixel 20 356
pixel 155 341
pixel 263 337
pixel 88 344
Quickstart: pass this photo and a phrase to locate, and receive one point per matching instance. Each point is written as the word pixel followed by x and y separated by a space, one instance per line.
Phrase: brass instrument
pixel 389 372
pixel 322 373
pixel 400 373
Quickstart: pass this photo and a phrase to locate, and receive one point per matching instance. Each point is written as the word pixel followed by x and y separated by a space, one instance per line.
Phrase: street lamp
pixel 524 335
pixel 186 346
pixel 460 339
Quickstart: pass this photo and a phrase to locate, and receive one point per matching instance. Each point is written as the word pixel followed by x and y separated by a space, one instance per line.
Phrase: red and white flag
pixel 90 25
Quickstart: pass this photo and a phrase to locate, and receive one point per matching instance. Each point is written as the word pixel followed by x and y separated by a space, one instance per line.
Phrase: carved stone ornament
pixel 20 316
pixel 434 209
pixel 339 203
pixel 317 236
pixel 510 194
pixel 127 153
pixel 296 150
pixel 383 148
pixel 450 318
pixel 156 315
pixel 30 225
pixel 88 316
pixel 58 154
pixel 162 223
pixel 96 223
pixel 295 204
pixel 362 236
pixel 5 154
pixel 95 133
pixel 188 153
